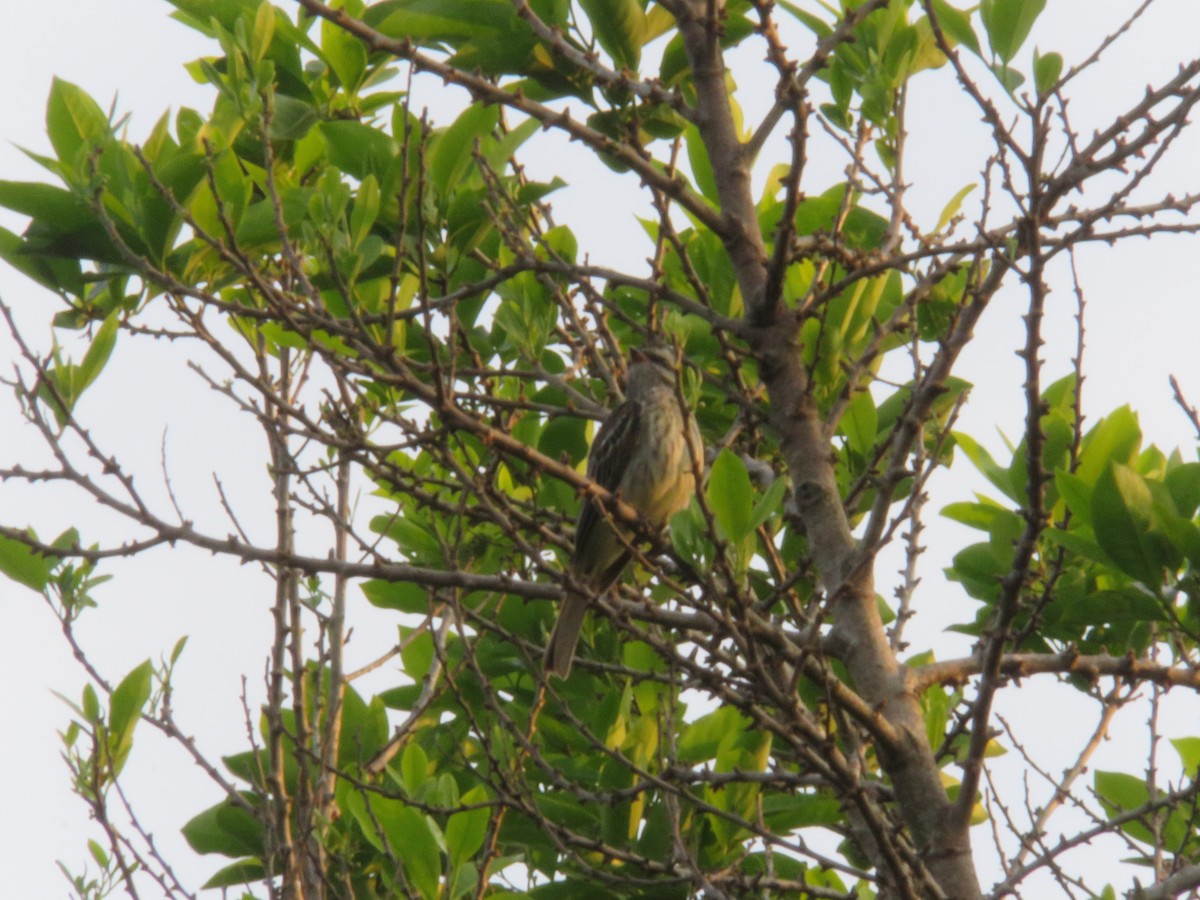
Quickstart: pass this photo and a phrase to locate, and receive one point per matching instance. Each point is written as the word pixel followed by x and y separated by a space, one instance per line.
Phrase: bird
pixel 642 453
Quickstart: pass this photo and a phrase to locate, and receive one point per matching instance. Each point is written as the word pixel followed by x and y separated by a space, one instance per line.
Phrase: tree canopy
pixel 355 248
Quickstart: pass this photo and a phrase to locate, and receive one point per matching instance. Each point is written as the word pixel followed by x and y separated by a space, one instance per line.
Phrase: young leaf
pixel 264 30
pixel 73 120
pixel 1188 749
pixel 860 423
pixel 956 25
pixel 22 565
pixel 345 53
pixel 366 208
pixel 1046 70
pixel 620 27
pixel 1008 23
pixel 98 353
pixel 951 209
pixel 125 710
pixel 702 172
pixel 768 504
pixel 729 495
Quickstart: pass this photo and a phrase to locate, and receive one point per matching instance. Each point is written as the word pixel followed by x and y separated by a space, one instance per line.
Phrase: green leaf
pixel 98 854
pixel 244 872
pixel 703 739
pixel 1003 525
pixel 400 595
pixel 292 119
pixel 980 568
pixel 358 149
pixel 1076 494
pixel 23 565
pixel 52 273
pixel 987 466
pixel 264 30
pixel 99 351
pixel 1046 70
pixel 345 53
pixel 466 830
pixel 687 535
pixel 1120 791
pixel 1107 607
pixel 860 424
pixel 817 26
pixel 417 656
pixel 436 21
pixel 499 152
pixel 414 537
pixel 1010 78
pixel 90 705
pixel 226 829
pixel 1183 484
pixel 1122 508
pixel 364 727
pixel 1008 23
pixel 234 190
pixel 729 495
pixel 73 120
pixel 956 24
pixel 1115 438
pixel 702 172
pixel 769 503
pixel 53 205
pixel 620 27
pixel 1188 749
pixel 452 150
pixel 463 882
pixel 62 226
pixel 409 834
pixel 1081 546
pixel 564 436
pixel 935 704
pixel 785 812
pixel 951 209
pixel 365 210
pixel 414 767
pixel 412 834
pixel 125 710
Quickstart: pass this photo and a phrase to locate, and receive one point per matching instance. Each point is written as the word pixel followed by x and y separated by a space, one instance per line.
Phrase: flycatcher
pixel 641 453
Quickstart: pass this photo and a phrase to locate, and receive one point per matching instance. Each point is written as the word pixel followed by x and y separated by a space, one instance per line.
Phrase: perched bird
pixel 641 453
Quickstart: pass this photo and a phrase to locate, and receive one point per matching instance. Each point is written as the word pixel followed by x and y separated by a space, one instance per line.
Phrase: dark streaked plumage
pixel 640 452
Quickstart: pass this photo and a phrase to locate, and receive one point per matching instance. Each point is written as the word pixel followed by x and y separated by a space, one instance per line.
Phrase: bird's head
pixel 650 366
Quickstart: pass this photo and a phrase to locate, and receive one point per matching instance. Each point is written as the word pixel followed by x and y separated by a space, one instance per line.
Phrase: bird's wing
pixel 611 451
pixel 614 445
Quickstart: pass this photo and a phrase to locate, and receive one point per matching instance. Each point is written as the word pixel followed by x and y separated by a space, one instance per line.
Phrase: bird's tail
pixel 560 651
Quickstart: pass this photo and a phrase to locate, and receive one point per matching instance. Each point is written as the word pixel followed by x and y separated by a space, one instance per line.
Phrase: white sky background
pixel 1143 323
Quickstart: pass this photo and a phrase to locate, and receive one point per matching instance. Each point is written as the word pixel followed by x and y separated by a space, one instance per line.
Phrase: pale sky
pixel 1143 326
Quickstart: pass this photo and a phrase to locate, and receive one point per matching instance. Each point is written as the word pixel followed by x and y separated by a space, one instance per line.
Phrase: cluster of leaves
pixel 1121 560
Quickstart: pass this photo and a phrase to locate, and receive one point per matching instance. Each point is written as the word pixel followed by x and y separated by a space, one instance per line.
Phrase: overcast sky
pixel 1143 326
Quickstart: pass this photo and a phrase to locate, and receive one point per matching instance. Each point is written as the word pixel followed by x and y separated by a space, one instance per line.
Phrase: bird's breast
pixel 659 479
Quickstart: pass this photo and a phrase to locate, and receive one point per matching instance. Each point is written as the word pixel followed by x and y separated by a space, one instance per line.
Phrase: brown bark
pixel 878 675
